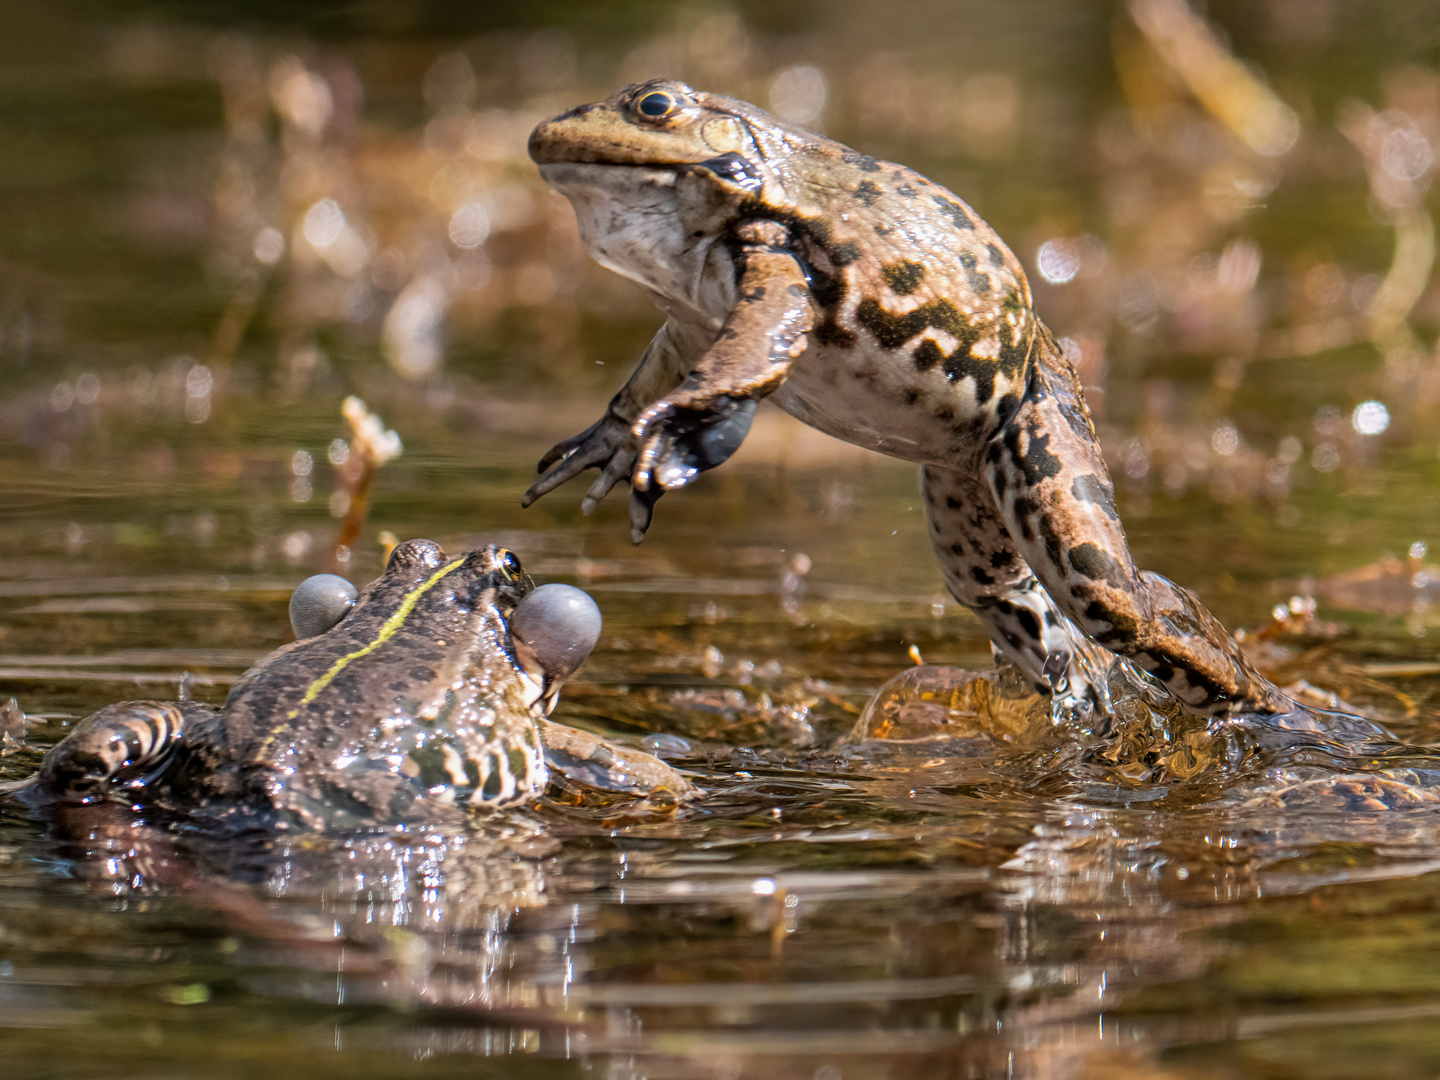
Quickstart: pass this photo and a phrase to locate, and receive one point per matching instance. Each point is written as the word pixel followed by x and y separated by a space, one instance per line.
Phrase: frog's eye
pixel 510 564
pixel 318 603
pixel 657 104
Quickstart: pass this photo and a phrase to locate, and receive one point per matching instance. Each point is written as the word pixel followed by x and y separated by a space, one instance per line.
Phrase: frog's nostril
pixel 554 629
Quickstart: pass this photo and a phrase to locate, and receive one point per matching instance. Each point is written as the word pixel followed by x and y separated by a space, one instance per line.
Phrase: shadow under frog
pixel 874 305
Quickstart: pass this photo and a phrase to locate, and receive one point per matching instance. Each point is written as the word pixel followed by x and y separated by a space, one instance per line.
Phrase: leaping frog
pixel 876 306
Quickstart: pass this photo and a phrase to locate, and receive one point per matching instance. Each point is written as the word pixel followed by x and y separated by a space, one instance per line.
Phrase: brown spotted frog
pixel 874 305
pixel 413 702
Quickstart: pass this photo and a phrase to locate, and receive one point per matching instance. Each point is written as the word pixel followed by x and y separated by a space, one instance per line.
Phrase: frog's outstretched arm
pixel 1052 488
pixel 700 423
pixel 122 745
pixel 609 443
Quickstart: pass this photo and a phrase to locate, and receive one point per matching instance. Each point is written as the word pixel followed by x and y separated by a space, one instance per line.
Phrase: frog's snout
pixel 554 628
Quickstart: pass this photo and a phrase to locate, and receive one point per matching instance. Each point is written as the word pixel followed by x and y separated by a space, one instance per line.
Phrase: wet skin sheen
pixel 876 306
pixel 414 706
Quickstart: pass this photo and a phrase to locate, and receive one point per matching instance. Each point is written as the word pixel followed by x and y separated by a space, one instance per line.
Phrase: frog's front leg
pixel 1047 475
pixel 703 421
pixel 609 444
pixel 122 745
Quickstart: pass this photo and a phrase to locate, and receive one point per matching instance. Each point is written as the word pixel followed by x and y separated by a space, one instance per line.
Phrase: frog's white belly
pixel 850 395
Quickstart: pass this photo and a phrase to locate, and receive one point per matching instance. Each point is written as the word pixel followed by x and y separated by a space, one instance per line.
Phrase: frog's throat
pixel 387 631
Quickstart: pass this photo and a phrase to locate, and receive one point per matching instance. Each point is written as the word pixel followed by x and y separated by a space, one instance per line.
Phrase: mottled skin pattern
pixel 876 306
pixel 409 710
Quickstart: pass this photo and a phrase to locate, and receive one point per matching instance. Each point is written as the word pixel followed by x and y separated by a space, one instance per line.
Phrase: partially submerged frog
pixel 420 698
pixel 872 304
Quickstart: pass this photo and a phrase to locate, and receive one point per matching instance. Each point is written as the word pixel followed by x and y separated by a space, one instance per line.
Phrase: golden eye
pixel 657 105
pixel 510 565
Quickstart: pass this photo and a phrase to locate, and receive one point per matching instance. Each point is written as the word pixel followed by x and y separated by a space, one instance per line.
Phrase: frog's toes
pixel 642 509
pixel 678 442
pixel 606 443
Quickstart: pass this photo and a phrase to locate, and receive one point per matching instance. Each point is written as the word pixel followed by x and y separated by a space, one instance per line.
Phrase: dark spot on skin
pixel 952 502
pixel 997 257
pixel 1026 533
pixel 955 212
pixel 1097 565
pixel 978 282
pixel 911 396
pixel 1001 559
pixel 1052 618
pixel 757 293
pixel 1163 672
pixel 867 192
pixel 829 332
pixel 698 233
pixel 1005 410
pixel 992 455
pixel 961 365
pixel 1054 548
pixel 907 191
pixel 927 354
pixel 827 289
pixel 863 162
pixel 957 549
pixel 981 577
pixel 844 254
pixel 1094 489
pixel 1031 625
pixel 1037 463
pixel 883 230
pixel 891 330
pixel 903 277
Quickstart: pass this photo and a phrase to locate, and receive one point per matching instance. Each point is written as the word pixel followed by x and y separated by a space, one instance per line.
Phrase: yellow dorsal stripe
pixel 387 631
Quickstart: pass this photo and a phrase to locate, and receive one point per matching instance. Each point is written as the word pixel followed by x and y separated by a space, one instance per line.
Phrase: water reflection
pixel 956 938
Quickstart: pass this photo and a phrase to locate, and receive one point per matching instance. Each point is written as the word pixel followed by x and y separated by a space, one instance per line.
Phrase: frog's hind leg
pixel 985 572
pixel 1050 482
pixel 122 745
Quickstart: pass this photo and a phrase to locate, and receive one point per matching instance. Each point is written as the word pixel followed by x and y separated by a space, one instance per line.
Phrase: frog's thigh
pixel 1056 500
pixel 985 572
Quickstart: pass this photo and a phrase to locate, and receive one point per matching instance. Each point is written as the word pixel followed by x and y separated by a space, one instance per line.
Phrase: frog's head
pixel 659 173
pixel 666 125
pixel 430 614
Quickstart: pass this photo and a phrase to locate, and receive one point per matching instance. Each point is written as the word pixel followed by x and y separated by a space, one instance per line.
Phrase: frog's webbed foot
pixel 606 444
pixel 609 445
pixel 680 438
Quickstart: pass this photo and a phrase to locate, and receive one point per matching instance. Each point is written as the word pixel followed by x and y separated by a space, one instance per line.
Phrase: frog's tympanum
pixel 424 695
pixel 874 305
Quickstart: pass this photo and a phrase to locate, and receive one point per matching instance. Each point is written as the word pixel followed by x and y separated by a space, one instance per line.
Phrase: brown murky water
pixel 219 219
